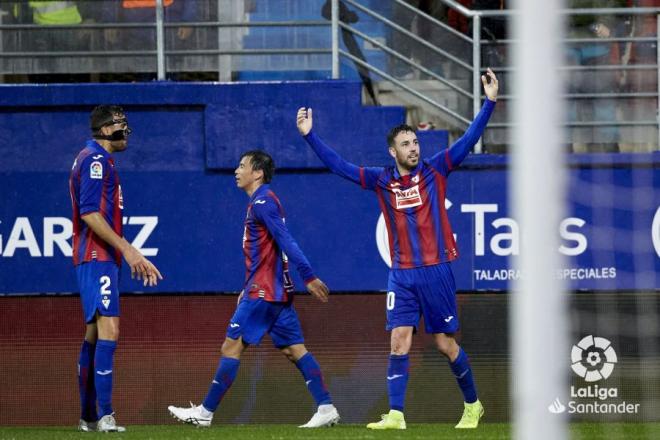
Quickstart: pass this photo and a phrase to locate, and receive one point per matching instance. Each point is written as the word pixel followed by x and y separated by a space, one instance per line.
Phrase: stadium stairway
pixel 303 67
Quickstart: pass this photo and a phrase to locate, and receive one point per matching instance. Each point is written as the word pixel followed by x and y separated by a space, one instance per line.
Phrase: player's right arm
pixel 140 267
pixel 366 177
pixel 447 160
pixel 91 192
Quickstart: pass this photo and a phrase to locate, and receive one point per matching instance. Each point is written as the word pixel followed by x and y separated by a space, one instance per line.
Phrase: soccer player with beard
pixel 411 195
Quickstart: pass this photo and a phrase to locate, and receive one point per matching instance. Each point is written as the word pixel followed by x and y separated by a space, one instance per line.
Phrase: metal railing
pixel 466 86
pixel 475 69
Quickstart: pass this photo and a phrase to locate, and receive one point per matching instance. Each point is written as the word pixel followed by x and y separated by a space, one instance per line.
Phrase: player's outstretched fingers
pixel 304 120
pixel 154 270
pixel 139 271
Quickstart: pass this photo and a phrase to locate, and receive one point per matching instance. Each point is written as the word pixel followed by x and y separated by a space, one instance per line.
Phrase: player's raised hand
pixel 304 120
pixel 491 85
pixel 318 289
pixel 141 268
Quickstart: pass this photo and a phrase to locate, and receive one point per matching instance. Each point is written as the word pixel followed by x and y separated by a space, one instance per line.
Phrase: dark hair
pixel 260 160
pixel 395 131
pixel 103 115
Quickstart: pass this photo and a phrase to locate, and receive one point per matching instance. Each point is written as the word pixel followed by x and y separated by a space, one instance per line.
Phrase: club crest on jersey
pixel 96 170
pixel 407 198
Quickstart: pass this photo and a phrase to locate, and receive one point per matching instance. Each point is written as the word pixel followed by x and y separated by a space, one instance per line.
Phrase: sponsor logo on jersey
pixel 407 198
pixel 96 170
pixel 121 198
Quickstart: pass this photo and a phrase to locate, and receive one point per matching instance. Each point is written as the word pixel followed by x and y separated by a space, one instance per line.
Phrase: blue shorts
pixel 254 318
pixel 99 288
pixel 428 291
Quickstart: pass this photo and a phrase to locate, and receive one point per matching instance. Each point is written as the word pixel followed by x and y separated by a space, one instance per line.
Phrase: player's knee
pixel 232 348
pixel 294 352
pixel 448 347
pixel 108 328
pixel 91 333
pixel 286 351
pixel 113 334
pixel 399 345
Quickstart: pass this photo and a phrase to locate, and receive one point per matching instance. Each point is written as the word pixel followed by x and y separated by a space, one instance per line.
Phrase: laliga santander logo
pixel 382 238
pixel 593 358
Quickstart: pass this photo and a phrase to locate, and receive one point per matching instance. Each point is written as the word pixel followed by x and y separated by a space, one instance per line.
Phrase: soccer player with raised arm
pixel 411 195
pixel 266 303
pixel 98 245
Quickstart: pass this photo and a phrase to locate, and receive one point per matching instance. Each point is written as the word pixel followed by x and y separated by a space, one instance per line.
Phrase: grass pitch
pixel 486 431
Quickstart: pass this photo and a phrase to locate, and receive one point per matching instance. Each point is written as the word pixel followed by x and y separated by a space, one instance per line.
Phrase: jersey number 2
pixel 105 283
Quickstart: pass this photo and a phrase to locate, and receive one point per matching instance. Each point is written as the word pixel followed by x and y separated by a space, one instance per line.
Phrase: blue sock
pixel 311 371
pixel 105 352
pixel 463 374
pixel 223 379
pixel 397 380
pixel 86 382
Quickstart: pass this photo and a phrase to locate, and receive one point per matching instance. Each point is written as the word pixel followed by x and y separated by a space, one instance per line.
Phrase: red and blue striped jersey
pixel 413 205
pixel 268 247
pixel 94 187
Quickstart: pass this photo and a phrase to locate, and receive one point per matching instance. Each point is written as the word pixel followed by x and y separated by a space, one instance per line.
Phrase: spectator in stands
pixel 640 80
pixel 144 38
pixel 57 34
pixel 422 28
pixel 457 20
pixel 51 13
pixel 349 17
pixel 591 80
pixel 493 29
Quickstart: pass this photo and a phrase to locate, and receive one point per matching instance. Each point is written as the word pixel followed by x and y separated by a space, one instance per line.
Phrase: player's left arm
pixel 447 160
pixel 269 214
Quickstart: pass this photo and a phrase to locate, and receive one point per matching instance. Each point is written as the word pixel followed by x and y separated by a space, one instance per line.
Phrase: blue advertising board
pixel 183 210
pixel 190 224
